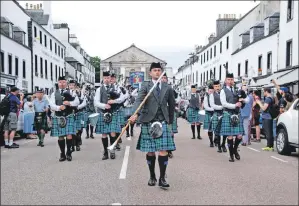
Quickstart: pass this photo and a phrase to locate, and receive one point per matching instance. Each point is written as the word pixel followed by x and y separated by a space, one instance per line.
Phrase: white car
pixel 287 130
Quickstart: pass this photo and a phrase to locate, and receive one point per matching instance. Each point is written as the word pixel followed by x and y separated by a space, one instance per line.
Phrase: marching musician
pixel 107 99
pixel 89 110
pixel 155 112
pixel 231 123
pixel 218 111
pixel 40 119
pixel 63 122
pixel 192 112
pixel 208 114
pixel 128 109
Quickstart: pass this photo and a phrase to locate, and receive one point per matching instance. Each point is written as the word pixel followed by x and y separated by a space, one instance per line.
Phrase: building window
pixel 196 76
pixel 220 72
pixel 24 69
pixel 246 67
pixel 201 79
pixel 215 51
pixel 207 75
pixel 36 88
pixel 204 57
pixel 290 10
pixel 201 59
pixel 193 78
pixel 46 69
pixel 62 53
pixel 16 66
pixel 2 62
pixel 58 50
pixel 9 64
pixel 45 37
pixel 269 62
pixel 41 67
pixel 204 77
pixel 51 44
pixel 55 48
pixel 56 73
pixel 214 73
pixel 289 54
pixel 211 53
pixel 239 69
pixel 35 65
pixel 59 72
pixel 260 69
pixel 41 37
pixel 51 70
pixel 220 47
pixel 227 42
pixel 35 32
pixel 207 55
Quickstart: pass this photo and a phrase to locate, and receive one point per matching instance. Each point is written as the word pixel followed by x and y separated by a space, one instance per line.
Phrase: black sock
pixel 87 131
pixel 112 140
pixel 151 161
pixel 78 138
pixel 128 129
pixel 198 130
pixel 218 140
pixel 230 143
pixel 105 144
pixel 74 138
pixel 223 141
pixel 61 144
pixel 132 129
pixel 163 161
pixel 193 130
pixel 210 134
pixel 91 130
pixel 68 145
pixel 237 142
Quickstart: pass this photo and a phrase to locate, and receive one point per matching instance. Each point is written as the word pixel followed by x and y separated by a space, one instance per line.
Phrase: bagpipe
pixel 112 94
pixel 66 96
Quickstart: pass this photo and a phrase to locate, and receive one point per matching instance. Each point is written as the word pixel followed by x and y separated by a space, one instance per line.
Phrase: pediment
pixel 133 55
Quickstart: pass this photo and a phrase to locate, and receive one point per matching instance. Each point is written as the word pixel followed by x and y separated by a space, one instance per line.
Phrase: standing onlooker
pixel 267 119
pixel 256 116
pixel 246 116
pixel 28 116
pixel 11 121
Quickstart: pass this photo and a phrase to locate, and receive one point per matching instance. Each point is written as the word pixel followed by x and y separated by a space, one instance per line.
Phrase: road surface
pixel 197 175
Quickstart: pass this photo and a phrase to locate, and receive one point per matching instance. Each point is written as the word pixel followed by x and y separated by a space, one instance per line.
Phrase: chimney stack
pixel 31 6
pixel 41 6
pixel 26 5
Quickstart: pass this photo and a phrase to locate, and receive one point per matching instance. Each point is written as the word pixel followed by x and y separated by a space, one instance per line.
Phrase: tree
pixel 96 62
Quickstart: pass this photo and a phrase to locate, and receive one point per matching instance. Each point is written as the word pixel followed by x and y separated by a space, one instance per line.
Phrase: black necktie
pixel 231 89
pixel 61 91
pixel 158 88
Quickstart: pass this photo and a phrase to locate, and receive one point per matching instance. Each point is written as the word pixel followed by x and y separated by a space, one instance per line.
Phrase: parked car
pixel 287 130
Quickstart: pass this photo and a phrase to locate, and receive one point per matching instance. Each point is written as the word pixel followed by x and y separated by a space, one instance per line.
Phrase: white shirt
pixel 206 104
pixel 55 107
pixel 213 105
pixel 154 81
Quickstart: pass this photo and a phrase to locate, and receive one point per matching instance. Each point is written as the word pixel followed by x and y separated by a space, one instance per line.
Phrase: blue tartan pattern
pixel 79 116
pixel 121 117
pixel 128 111
pixel 215 120
pixel 146 143
pixel 106 128
pixel 175 124
pixel 227 129
pixel 207 124
pixel 85 118
pixel 192 115
pixel 69 129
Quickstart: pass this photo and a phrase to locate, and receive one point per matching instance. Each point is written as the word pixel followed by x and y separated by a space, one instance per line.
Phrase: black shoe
pixel 7 146
pixel 224 148
pixel 13 146
pixel 39 144
pixel 105 156
pixel 219 149
pixel 170 155
pixel 78 148
pixel 91 136
pixel 69 156
pixel 87 137
pixel 231 159
pixel 62 157
pixel 132 134
pixel 117 147
pixel 42 144
pixel 237 156
pixel 73 149
pixel 80 143
pixel 112 155
pixel 199 137
pixel 193 138
pixel 152 181
pixel 163 183
pixel 127 135
pixel 211 145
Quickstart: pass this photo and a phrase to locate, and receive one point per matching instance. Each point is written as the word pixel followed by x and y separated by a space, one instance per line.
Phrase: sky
pixel 168 30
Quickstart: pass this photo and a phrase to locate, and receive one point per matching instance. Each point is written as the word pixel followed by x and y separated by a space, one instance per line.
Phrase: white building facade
pixel 15 51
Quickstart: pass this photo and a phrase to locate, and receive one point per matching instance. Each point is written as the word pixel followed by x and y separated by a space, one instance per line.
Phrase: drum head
pixel 202 112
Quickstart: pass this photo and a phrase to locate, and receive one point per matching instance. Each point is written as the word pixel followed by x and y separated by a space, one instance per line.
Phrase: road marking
pixel 123 171
pixel 278 159
pixel 116 204
pixel 253 149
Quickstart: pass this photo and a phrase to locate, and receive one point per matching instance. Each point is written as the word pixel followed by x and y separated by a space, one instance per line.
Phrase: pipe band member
pixel 90 109
pixel 192 112
pixel 128 109
pixel 107 100
pixel 231 124
pixel 156 110
pixel 61 102
pixel 218 112
pixel 208 114
pixel 40 118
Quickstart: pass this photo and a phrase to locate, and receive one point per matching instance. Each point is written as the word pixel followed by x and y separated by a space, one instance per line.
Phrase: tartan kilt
pixel 207 124
pixel 41 126
pixel 121 117
pixel 146 143
pixel 28 123
pixel 227 129
pixel 192 115
pixel 106 128
pixel 215 120
pixel 69 129
pixel 175 124
pixel 79 117
pixel 128 111
pixel 86 119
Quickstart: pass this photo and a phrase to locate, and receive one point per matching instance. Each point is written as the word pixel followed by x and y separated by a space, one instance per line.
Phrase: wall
pixel 9 46
pixel 288 30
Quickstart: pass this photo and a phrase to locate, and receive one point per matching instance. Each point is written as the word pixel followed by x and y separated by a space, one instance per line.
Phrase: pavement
pixel 197 175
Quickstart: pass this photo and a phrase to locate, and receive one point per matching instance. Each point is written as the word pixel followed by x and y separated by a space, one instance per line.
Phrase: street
pixel 197 174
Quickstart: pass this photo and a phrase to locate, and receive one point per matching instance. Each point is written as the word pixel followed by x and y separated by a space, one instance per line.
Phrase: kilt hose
pixel 215 121
pixel 227 129
pixel 175 124
pixel 107 128
pixel 79 117
pixel 69 129
pixel 147 143
pixel 42 125
pixel 207 124
pixel 192 115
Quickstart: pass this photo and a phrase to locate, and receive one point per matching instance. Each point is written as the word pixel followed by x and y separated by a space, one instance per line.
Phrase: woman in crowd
pixel 256 116
pixel 28 116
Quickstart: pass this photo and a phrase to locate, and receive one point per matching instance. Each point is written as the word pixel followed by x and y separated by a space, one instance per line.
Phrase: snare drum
pixel 202 114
